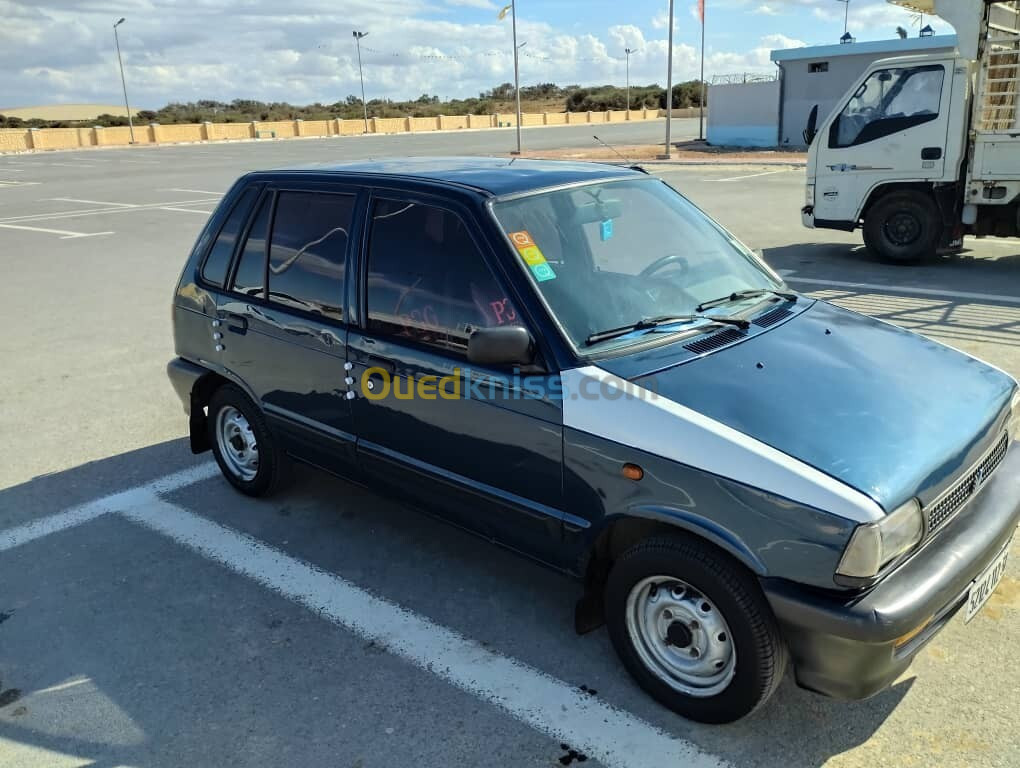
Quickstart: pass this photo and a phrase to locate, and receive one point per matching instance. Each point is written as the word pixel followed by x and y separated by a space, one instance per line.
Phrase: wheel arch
pixel 201 394
pixel 883 189
pixel 618 532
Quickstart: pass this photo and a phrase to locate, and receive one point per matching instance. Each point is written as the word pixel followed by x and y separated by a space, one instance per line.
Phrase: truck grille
pixel 940 511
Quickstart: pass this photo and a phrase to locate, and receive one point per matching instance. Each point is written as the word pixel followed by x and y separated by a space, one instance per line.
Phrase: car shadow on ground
pixel 497 599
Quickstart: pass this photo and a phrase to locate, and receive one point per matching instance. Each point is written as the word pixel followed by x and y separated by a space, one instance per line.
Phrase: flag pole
pixel 701 125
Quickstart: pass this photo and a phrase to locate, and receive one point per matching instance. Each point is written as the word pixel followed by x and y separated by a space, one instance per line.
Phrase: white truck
pixel 925 149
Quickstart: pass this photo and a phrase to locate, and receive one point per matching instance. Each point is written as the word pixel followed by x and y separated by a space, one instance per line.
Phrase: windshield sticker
pixel 532 256
pixel 522 239
pixel 607 230
pixel 543 272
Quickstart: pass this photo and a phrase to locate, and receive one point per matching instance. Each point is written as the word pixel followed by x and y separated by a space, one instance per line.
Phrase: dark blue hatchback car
pixel 573 361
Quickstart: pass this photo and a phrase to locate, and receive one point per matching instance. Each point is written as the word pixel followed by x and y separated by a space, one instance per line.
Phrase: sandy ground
pixel 690 152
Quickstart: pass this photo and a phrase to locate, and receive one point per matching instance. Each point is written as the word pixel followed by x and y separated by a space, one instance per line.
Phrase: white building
pixel 767 114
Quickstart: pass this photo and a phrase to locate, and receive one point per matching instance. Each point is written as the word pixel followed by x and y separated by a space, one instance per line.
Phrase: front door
pixel 481 446
pixel 894 128
pixel 283 323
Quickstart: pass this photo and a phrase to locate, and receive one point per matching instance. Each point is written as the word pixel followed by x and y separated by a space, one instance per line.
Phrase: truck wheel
pixel 903 227
pixel 692 627
pixel 242 443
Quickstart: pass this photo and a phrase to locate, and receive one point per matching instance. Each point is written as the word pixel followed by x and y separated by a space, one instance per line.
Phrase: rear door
pixel 284 324
pixel 893 128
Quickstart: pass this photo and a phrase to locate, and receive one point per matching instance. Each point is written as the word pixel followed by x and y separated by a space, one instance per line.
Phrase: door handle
pixel 931 153
pixel 235 323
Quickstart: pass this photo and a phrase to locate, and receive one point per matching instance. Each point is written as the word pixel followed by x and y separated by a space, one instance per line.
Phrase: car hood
pixel 889 413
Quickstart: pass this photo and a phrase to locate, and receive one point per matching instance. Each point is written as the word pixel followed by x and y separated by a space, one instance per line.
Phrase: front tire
pixel 245 449
pixel 692 627
pixel 903 227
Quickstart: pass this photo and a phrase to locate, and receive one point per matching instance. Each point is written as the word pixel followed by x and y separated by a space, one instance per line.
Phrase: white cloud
pixel 302 51
pixel 766 10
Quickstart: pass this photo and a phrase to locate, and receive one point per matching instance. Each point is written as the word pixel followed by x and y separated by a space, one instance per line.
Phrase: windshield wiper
pixel 749 294
pixel 650 323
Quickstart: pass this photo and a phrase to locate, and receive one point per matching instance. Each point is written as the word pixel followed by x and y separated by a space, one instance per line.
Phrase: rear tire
pixel 245 449
pixel 693 628
pixel 903 227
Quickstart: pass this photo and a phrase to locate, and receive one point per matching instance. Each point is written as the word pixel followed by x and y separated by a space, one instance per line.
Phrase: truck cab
pixel 924 149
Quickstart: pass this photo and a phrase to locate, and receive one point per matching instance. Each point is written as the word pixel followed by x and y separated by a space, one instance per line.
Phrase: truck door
pixel 893 128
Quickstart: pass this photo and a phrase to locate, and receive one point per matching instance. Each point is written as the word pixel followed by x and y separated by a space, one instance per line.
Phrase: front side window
pixel 308 253
pixel 889 101
pixel 427 281
pixel 611 254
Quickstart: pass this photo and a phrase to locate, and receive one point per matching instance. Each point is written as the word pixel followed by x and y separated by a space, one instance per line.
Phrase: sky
pixel 302 51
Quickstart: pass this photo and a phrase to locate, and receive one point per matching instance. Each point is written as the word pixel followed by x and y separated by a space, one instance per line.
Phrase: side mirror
pixel 812 126
pixel 507 345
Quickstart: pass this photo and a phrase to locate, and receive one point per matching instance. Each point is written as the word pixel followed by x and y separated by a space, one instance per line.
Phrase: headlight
pixel 1013 425
pixel 874 545
pixel 809 194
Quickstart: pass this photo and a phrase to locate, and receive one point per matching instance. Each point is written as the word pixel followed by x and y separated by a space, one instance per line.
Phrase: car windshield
pixel 609 255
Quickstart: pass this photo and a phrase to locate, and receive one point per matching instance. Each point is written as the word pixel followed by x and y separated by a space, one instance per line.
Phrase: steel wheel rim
pixel 681 636
pixel 237 444
pixel 903 228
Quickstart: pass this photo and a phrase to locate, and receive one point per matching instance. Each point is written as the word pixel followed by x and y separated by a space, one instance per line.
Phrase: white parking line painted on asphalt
pixel 16 183
pixel 64 234
pixel 185 210
pixel 750 176
pixel 189 191
pixel 991 297
pixel 98 211
pixel 22 534
pixel 548 705
pixel 91 202
pixel 71 165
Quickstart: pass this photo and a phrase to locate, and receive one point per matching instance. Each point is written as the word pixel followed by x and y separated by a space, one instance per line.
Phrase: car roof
pixel 493 175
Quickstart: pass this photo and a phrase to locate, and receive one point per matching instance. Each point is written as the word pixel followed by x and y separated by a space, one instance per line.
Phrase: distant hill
pixel 69 112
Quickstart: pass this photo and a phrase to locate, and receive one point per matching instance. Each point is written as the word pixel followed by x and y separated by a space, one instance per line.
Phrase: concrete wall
pixel 744 115
pixel 802 88
pixel 20 140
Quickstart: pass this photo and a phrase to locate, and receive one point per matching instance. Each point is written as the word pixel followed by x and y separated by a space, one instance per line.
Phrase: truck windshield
pixel 609 254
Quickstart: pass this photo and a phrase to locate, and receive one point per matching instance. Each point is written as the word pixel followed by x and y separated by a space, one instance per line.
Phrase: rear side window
pixel 427 282
pixel 217 262
pixel 251 267
pixel 307 256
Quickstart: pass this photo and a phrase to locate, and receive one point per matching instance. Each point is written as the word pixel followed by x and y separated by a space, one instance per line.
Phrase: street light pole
pixel 669 84
pixel 517 75
pixel 628 51
pixel 361 73
pixel 123 82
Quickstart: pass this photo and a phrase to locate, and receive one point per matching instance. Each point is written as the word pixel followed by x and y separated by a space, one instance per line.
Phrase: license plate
pixel 985 584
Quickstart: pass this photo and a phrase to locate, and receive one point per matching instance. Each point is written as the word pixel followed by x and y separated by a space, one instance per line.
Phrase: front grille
pixel 715 341
pixel 772 317
pixel 942 509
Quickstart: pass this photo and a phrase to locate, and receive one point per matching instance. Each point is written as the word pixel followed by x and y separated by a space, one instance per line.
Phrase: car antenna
pixel 630 163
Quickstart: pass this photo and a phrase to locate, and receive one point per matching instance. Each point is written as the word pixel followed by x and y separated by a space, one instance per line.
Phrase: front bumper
pixel 846 647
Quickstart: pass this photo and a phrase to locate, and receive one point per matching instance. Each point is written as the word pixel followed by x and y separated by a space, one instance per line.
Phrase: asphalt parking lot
pixel 150 616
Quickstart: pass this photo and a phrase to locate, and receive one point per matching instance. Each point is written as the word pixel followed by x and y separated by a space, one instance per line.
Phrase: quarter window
pixel 214 270
pixel 308 252
pixel 427 281
pixel 251 267
pixel 889 101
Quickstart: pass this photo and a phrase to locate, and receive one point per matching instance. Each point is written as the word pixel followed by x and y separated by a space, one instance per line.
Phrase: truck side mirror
pixel 812 126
